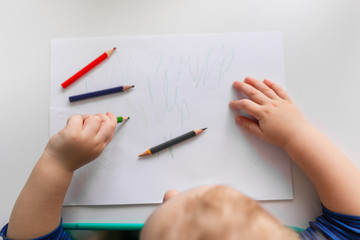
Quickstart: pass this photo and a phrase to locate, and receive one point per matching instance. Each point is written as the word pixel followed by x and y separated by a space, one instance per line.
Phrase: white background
pixel 322 58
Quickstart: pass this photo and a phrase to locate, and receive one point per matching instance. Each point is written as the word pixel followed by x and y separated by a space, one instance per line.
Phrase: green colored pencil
pixel 121 119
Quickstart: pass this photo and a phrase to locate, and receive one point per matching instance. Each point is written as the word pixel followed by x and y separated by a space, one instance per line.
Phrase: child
pixel 37 210
pixel 207 212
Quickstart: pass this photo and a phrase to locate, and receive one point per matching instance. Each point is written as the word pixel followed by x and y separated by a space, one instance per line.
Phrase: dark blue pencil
pixel 99 93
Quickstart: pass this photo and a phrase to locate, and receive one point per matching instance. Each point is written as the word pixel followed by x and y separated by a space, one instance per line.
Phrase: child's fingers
pixel 108 116
pixel 254 94
pixel 74 123
pixel 107 128
pixel 249 125
pixel 247 106
pixel 86 116
pixel 112 117
pixel 91 125
pixel 277 89
pixel 261 87
pixel 170 194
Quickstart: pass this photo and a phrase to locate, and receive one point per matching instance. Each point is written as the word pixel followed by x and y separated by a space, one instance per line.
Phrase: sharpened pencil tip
pixel 147 152
pixel 204 129
pixel 133 86
pixel 114 48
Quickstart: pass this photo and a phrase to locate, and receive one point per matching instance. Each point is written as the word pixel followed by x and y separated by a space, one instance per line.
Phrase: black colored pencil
pixel 172 142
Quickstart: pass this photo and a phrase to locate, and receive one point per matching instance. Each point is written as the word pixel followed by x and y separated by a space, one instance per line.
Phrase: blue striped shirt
pixel 58 234
pixel 333 225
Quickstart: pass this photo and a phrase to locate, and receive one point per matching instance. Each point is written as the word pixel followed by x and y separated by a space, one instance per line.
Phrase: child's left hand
pixel 82 140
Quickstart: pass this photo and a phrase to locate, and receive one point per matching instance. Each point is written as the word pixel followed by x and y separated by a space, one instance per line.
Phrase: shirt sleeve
pixel 58 234
pixel 333 225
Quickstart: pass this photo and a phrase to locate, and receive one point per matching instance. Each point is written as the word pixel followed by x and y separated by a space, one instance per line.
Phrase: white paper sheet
pixel 182 83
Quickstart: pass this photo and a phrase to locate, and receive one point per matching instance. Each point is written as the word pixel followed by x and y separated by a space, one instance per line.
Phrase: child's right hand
pixel 82 140
pixel 279 121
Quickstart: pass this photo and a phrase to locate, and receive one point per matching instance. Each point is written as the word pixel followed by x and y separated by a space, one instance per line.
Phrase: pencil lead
pixel 114 48
pixel 132 86
pixel 204 129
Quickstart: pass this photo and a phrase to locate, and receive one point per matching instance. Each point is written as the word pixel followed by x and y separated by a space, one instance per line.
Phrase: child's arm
pixel 37 210
pixel 280 122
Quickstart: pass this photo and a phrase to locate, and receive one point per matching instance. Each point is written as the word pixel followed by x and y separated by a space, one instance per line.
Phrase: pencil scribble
pixel 168 98
pixel 212 66
pixel 225 62
pixel 199 71
pixel 166 85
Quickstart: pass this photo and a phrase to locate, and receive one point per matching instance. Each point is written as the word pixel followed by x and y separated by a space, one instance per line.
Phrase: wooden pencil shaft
pixel 172 142
pixel 99 93
pixel 87 68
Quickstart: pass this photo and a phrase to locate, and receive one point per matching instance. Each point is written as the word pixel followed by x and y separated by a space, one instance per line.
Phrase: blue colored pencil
pixel 99 93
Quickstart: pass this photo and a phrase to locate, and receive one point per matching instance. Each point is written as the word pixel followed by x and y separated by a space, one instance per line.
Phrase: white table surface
pixel 322 64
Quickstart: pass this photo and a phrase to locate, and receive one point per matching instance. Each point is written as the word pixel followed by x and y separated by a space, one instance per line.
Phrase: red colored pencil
pixel 88 68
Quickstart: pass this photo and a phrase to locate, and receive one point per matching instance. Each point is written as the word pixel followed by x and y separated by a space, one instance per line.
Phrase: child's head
pixel 212 212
